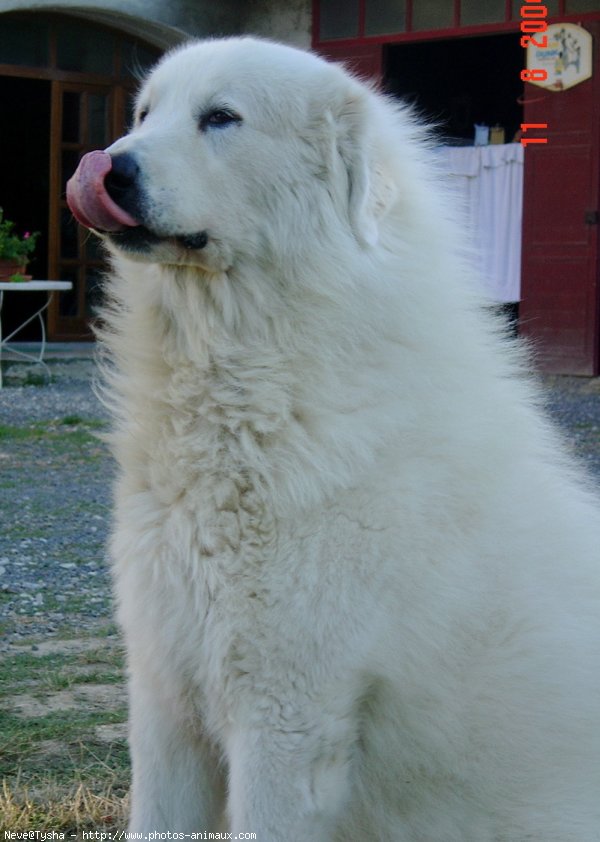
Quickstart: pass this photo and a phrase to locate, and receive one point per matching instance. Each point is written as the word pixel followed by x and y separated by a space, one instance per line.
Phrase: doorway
pixel 65 88
pixel 455 84
pixel 25 182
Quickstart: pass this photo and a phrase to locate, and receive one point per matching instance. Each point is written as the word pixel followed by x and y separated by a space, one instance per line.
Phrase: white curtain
pixel 487 182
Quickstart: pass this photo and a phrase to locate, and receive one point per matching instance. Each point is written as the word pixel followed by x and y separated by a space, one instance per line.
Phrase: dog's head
pixel 240 148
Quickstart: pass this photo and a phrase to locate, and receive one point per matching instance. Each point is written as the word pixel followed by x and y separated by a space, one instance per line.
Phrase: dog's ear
pixel 371 189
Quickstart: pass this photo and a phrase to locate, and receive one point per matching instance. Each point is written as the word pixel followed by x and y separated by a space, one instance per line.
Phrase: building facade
pixel 68 71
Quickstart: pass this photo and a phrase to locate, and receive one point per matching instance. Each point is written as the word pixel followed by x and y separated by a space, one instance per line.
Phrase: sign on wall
pixel 559 57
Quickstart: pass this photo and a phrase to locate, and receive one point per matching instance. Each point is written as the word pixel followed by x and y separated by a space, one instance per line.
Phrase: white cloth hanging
pixel 487 183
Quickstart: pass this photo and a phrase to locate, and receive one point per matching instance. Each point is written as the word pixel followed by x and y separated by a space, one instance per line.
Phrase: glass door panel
pixel 84 118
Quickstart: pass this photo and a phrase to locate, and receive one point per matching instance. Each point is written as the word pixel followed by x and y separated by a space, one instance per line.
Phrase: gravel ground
pixel 55 488
pixel 55 483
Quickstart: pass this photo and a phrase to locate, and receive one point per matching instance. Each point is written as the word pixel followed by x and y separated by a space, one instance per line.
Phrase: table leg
pixel 39 358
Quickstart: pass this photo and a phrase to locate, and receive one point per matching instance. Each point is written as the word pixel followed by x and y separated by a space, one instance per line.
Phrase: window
pixel 24 42
pixel 433 14
pixel 474 11
pixel 582 6
pixel 383 17
pixel 86 49
pixel 338 19
pixel 358 19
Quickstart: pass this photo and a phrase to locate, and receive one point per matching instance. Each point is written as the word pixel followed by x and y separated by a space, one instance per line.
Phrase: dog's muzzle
pixel 101 189
pixel 105 195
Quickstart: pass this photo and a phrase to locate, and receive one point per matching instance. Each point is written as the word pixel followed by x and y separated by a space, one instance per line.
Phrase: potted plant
pixel 15 251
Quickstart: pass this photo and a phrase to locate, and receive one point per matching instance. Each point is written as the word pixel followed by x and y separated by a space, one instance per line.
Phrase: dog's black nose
pixel 122 176
pixel 124 171
pixel 122 181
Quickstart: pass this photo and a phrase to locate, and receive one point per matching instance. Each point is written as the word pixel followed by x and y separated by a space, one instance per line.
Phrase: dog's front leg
pixel 177 785
pixel 286 784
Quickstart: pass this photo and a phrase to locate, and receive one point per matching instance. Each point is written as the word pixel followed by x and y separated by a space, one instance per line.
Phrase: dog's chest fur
pixel 231 592
pixel 199 511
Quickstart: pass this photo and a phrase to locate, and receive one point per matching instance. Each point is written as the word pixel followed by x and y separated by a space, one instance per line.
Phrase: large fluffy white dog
pixel 359 583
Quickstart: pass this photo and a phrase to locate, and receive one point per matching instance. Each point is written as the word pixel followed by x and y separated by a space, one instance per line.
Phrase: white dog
pixel 358 580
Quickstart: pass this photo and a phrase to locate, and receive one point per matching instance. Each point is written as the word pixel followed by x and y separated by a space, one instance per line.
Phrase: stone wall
pixel 165 24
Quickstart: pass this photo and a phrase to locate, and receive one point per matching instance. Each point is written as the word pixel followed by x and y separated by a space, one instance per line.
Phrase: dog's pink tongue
pixel 88 199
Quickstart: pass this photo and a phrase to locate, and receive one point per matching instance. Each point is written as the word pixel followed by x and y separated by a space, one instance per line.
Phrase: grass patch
pixel 72 437
pixel 11 433
pixel 24 670
pixel 67 726
pixel 74 428
pixel 81 808
pixel 63 755
pixel 64 762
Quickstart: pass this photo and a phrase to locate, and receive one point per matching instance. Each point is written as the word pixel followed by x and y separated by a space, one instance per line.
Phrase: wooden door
pixel 560 307
pixel 83 118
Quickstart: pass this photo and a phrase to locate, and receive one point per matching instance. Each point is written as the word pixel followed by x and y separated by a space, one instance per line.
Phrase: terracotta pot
pixel 8 268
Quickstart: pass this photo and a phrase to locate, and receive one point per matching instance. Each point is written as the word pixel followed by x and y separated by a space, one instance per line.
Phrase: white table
pixel 29 286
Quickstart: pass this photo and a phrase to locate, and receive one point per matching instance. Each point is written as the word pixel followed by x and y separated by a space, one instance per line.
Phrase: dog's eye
pixel 219 118
pixel 142 116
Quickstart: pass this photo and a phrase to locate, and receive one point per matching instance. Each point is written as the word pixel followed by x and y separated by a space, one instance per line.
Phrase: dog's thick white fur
pixel 358 580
